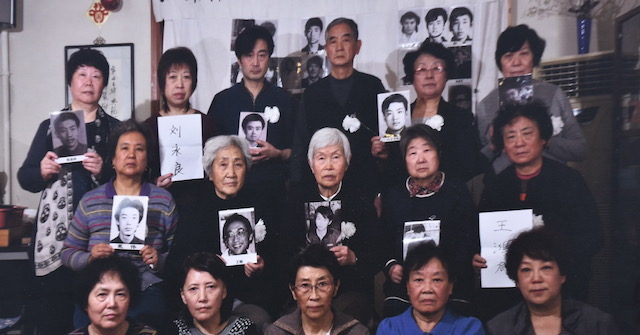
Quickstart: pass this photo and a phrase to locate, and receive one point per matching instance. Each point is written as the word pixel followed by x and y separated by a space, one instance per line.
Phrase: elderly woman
pixel 106 289
pixel 430 279
pixel 556 193
pixel 88 238
pixel 62 186
pixel 428 194
pixel 226 161
pixel 314 281
pixel 207 302
pixel 518 51
pixel 355 248
pixel 536 261
pixel 428 69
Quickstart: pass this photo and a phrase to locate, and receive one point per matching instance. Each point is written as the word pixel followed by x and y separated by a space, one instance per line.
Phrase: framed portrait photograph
pixel 117 97
pixel 128 222
pixel 410 34
pixel 419 232
pixel 313 69
pixel 394 114
pixel 252 127
pixel 324 222
pixel 237 236
pixel 461 26
pixel 69 136
pixel 436 25
pixel 313 32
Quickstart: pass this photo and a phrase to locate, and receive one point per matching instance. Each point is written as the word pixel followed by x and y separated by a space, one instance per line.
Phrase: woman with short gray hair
pixel 326 137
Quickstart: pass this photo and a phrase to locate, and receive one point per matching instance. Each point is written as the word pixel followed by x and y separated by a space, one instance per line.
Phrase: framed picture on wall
pixel 117 96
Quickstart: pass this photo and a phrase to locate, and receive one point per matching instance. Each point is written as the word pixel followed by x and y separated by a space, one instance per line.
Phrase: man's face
pixel 313 34
pixel 342 46
pixel 128 221
pixel 253 130
pixel 255 64
pixel 436 27
pixel 67 132
pixel 395 116
pixel 409 26
pixel 461 27
pixel 238 238
pixel 314 70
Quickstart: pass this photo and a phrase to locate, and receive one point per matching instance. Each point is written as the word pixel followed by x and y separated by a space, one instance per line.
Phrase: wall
pixel 37 65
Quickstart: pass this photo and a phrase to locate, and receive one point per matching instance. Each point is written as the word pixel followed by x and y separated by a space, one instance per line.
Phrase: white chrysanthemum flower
pixel 260 231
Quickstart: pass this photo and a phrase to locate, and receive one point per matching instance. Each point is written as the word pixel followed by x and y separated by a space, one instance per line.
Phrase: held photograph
pixel 128 222
pixel 237 236
pixel 69 136
pixel 394 114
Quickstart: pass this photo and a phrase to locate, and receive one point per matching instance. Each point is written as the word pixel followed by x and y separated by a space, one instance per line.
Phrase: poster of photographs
pixel 460 95
pixel 314 68
pixel 394 114
pixel 418 232
pixel 313 32
pixel 237 238
pixel 324 220
pixel 128 222
pixel 290 74
pixel 515 90
pixel 69 136
pixel 252 126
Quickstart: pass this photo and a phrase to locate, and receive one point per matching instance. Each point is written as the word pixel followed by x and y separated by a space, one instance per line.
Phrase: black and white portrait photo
pixel 237 26
pixel 409 36
pixel 462 58
pixel 69 136
pixel 460 96
pixel 435 21
pixel 128 222
pixel 515 90
pixel 237 238
pixel 313 33
pixel 394 115
pixel 252 127
pixel 418 232
pixel 313 70
pixel 290 73
pixel 461 26
pixel 324 222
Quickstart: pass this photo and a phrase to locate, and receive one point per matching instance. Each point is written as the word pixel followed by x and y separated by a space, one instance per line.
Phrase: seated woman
pixel 314 281
pixel 429 279
pixel 352 230
pixel 226 161
pixel 537 262
pixel 427 194
pixel 89 232
pixel 207 302
pixel 106 289
pixel 557 194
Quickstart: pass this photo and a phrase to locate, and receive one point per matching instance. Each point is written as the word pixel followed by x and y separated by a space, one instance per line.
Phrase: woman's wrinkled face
pixel 517 63
pixel 540 282
pixel 395 116
pixel 430 76
pixel 178 85
pixel 523 143
pixel 203 295
pixel 108 302
pixel 329 165
pixel 228 171
pixel 429 288
pixel 86 85
pixel 314 291
pixel 130 158
pixel 422 160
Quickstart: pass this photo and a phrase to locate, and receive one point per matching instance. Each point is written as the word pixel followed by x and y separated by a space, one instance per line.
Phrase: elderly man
pixel 344 94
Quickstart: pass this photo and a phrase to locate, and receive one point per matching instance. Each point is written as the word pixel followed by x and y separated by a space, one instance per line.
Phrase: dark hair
pixel 251 118
pixel 394 98
pixel 313 22
pixel 247 39
pixel 434 49
pixel 64 116
pixel 459 11
pixel 513 38
pixel 538 243
pixel 349 22
pixel 87 57
pixel 411 15
pixel 270 26
pixel 174 57
pixel 235 217
pixel 534 111
pixel 324 211
pixel 314 60
pixel 213 265
pixel 131 126
pixel 420 255
pixel 420 131
pixel 90 276
pixel 315 255
pixel 130 203
pixel 433 14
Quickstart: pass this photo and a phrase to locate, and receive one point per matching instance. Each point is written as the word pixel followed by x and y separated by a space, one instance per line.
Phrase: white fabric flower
pixel 347 229
pixel 351 123
pixel 436 122
pixel 538 221
pixel 558 124
pixel 260 231
pixel 272 114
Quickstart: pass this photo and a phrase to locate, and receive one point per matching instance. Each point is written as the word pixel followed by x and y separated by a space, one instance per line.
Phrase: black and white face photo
pixel 461 25
pixel 128 223
pixel 237 236
pixel 253 127
pixel 69 133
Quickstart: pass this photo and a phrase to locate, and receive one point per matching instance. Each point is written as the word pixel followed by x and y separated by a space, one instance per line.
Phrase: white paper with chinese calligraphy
pixel 497 229
pixel 180 140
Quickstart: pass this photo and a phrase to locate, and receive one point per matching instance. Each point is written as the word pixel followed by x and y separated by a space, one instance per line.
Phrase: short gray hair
pixel 326 137
pixel 214 145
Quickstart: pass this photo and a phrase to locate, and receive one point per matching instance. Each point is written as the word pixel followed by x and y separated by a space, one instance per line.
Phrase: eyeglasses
pixel 242 233
pixel 423 70
pixel 305 288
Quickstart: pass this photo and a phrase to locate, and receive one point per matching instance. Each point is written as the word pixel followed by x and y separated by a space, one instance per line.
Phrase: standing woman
pixel 62 186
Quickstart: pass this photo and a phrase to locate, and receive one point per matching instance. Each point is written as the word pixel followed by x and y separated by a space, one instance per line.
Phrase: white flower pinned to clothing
pixel 538 221
pixel 260 231
pixel 558 124
pixel 347 229
pixel 436 122
pixel 351 123
pixel 272 114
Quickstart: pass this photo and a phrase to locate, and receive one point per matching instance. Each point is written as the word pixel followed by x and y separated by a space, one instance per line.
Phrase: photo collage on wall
pixel 451 26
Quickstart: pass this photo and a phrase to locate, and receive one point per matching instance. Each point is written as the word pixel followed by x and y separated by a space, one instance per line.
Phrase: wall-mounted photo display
pixel 324 219
pixel 237 236
pixel 128 222
pixel 394 114
pixel 69 136
pixel 313 36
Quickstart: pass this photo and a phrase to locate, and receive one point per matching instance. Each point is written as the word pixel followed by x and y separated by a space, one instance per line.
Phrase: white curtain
pixel 205 27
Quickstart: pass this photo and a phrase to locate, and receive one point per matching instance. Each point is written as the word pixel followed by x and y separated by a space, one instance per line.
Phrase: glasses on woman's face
pixel 323 286
pixel 421 71
pixel 241 232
